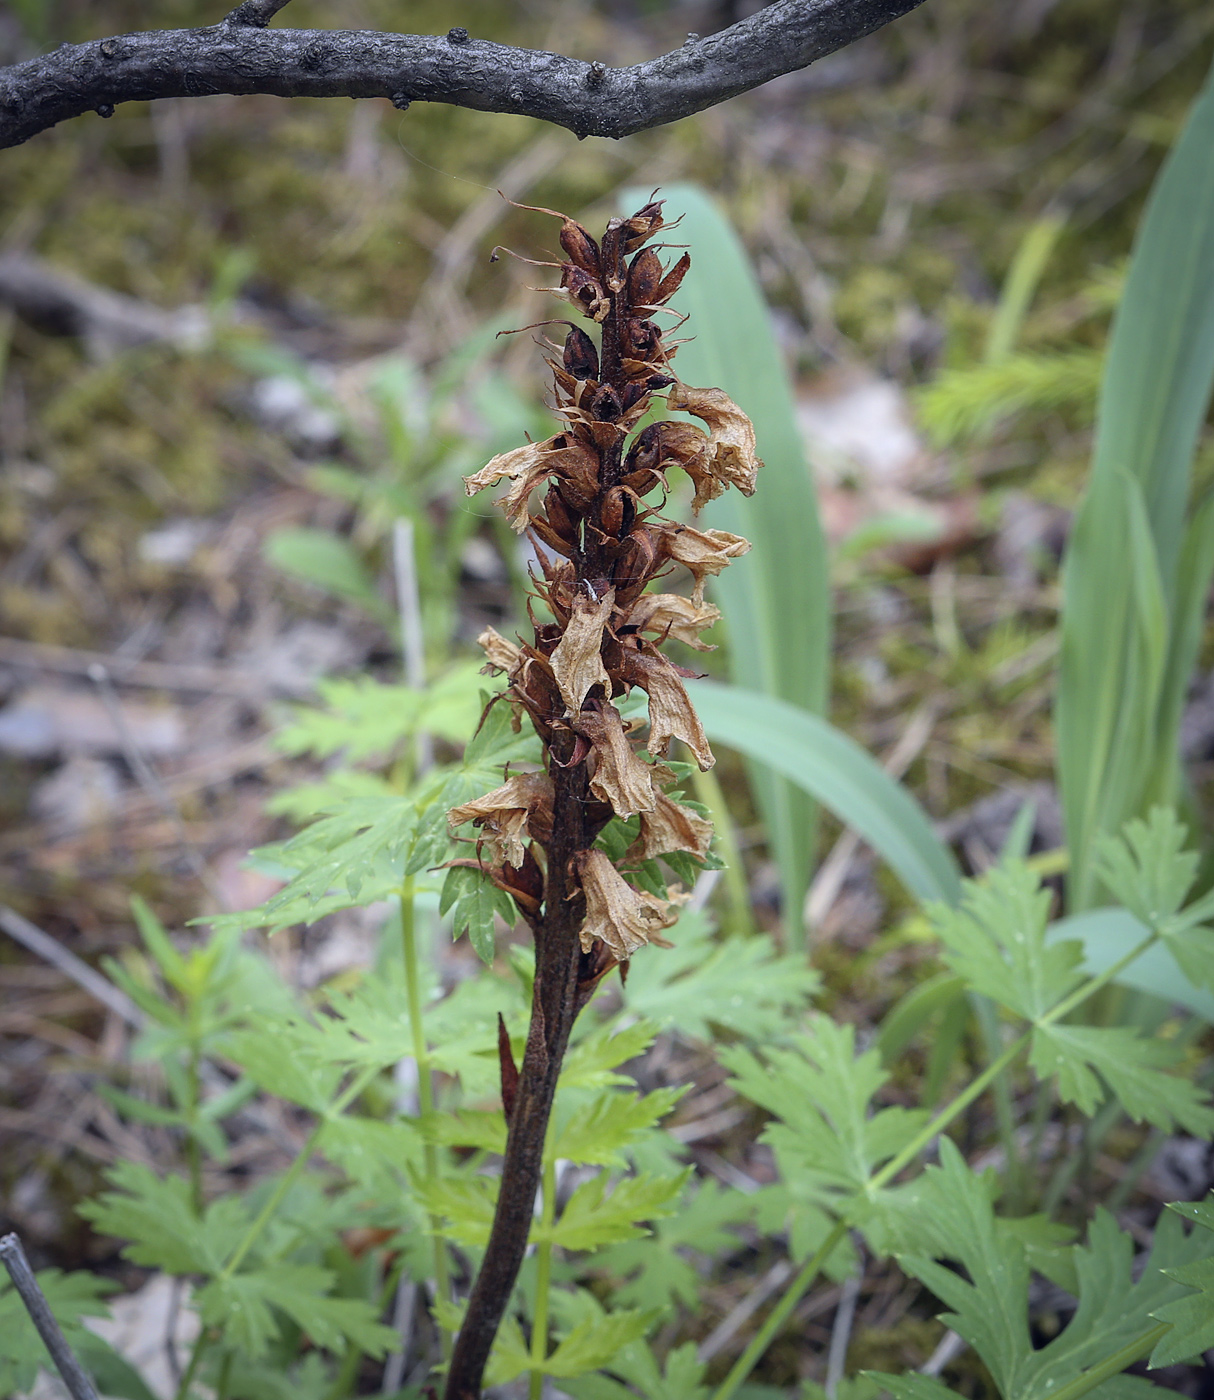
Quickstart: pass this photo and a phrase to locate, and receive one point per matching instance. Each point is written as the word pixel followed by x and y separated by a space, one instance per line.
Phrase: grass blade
pixel 1133 566
pixel 825 763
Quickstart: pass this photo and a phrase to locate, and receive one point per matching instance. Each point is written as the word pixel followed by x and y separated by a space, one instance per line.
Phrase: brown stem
pixel 553 1010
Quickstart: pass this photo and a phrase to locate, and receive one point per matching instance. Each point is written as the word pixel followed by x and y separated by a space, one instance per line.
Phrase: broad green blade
pixel 1109 934
pixel 1129 604
pixel 776 600
pixel 824 763
pixel 1160 365
pixel 1114 645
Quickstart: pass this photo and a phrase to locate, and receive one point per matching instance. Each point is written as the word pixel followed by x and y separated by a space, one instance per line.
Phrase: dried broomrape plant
pixel 590 499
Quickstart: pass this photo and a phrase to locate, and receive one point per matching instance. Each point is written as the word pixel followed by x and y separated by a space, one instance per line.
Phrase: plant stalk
pixel 543 1279
pixel 553 1009
pixel 425 1088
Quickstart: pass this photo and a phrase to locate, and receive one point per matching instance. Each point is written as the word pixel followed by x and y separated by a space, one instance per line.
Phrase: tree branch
pixel 239 55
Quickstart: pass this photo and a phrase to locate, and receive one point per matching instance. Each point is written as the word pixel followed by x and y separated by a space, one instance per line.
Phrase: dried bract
pixel 624 917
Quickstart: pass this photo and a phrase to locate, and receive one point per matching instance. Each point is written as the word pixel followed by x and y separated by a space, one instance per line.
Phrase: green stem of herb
pixel 225 1377
pixel 343 1382
pixel 193 1152
pixel 708 790
pixel 1090 988
pixel 425 1089
pixel 776 1319
pixel 288 1178
pixel 988 1024
pixel 543 1279
pixel 187 1379
pixel 1113 1365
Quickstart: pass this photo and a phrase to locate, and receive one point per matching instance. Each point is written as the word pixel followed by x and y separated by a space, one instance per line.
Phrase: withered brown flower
pixel 600 543
pixel 590 499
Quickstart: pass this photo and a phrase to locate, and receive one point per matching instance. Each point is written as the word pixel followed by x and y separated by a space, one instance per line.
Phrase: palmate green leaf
pixel 825 762
pixel 592 1059
pixel 297 1060
pixel 1150 872
pixel 954 1220
pixel 655 1271
pixel 157 1216
pixel 598 1131
pixel 786 575
pixel 821 1093
pixel 740 984
pixel 679 1379
pixel 595 1342
pixel 474 902
pixel 996 942
pixel 244 1307
pixel 463 1205
pixel 1146 867
pixel 1192 1317
pixel 511 1355
pixel 365 717
pixel 594 1217
pixel 1133 1067
pixel 71 1297
pixel 375 1154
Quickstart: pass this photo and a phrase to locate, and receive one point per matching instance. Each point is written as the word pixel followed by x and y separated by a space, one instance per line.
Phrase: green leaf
pixel 374 1154
pixel 244 1305
pixel 591 1060
pixel 786 575
pixel 911 1386
pixel 954 1220
pixel 71 1297
pixel 1132 572
pixel 1147 867
pixel 592 1217
pixel 595 1342
pixel 472 901
pixel 1131 1066
pixel 463 1204
pixel 740 984
pixel 297 1060
pixel 1192 1317
pixel 326 561
pixel 1107 935
pixel 655 1271
pixel 996 941
pixel 680 1379
pixel 365 717
pixel 821 1092
pixel 600 1130
pixel 824 762
pixel 156 1215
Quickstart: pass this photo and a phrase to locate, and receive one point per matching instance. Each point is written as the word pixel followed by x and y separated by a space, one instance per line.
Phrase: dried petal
pixel 703 552
pixel 624 918
pixel 619 778
pixel 671 827
pixel 526 467
pixel 509 813
pixel 577 662
pixel 671 713
pixel 671 615
pixel 501 653
pixel 734 461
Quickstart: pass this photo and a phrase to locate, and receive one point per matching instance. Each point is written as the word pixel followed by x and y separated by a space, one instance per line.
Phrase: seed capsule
pixel 581 358
pixel 580 248
pixel 643 277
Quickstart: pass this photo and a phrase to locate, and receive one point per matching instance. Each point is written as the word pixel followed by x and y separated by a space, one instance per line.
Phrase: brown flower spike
pixel 600 541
